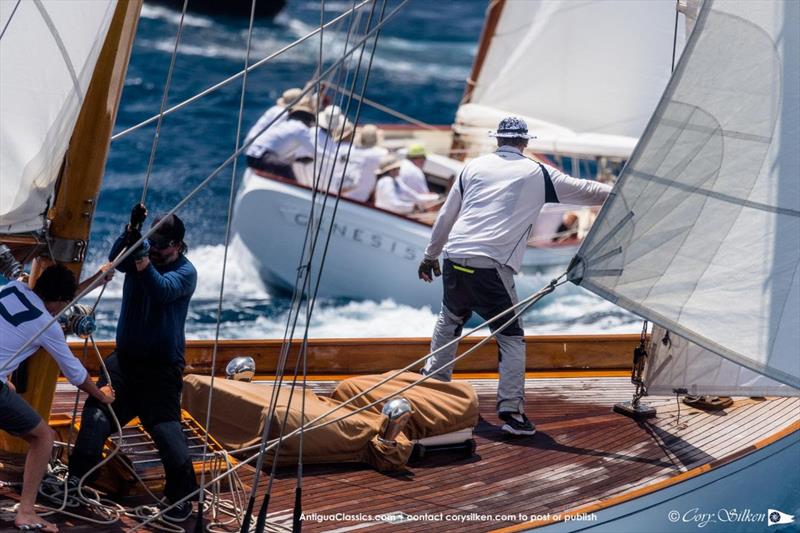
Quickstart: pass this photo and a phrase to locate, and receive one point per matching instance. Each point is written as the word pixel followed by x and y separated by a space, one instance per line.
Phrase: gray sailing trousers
pixel 483 286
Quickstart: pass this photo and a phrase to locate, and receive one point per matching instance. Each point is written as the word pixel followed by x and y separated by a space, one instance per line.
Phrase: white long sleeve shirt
pixel 494 203
pixel 290 140
pixel 23 315
pixel 413 177
pixel 264 120
pixel 390 195
pixel 366 160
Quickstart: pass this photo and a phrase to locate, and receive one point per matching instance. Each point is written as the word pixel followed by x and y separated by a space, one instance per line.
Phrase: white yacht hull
pixel 373 254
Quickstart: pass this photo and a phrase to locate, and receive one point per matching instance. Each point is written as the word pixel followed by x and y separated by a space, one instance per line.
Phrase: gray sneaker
pixel 517 424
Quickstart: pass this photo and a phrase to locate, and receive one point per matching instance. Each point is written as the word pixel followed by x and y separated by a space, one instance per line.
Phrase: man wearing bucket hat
pixel 278 147
pixel 274 114
pixel 483 229
pixel 411 174
pixel 146 369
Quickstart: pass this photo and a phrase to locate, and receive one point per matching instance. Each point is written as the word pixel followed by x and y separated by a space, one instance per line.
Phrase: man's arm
pixel 575 191
pixel 53 341
pixel 170 286
pixel 116 249
pixel 105 270
pixel 448 215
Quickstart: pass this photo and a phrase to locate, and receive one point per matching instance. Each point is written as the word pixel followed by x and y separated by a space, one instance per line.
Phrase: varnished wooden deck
pixel 582 453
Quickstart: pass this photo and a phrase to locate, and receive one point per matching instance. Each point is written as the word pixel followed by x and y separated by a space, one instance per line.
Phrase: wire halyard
pixel 199 187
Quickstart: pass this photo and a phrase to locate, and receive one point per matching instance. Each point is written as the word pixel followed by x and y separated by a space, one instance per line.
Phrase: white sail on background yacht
pixel 586 104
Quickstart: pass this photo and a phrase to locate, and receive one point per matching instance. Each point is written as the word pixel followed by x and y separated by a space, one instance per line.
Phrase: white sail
pixel 702 232
pixel 48 52
pixel 677 364
pixel 586 74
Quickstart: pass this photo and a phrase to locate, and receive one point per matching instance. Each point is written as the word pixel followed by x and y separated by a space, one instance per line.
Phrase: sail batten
pixel 707 211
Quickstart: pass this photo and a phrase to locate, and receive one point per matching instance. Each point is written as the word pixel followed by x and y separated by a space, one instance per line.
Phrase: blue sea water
pixel 422 60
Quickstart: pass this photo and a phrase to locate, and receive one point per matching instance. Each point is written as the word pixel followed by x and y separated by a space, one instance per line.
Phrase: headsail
pixel 590 98
pixel 48 52
pixel 702 232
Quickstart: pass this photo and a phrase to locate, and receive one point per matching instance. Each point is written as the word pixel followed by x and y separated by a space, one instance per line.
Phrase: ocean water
pixel 423 57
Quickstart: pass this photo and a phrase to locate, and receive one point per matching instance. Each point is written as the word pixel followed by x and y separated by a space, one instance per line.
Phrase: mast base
pixel 637 410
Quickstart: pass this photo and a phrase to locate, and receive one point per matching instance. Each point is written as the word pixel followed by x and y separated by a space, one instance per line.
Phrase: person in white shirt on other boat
pixel 366 155
pixel 333 135
pixel 283 144
pixel 274 114
pixel 393 196
pixel 482 230
pixel 411 174
pixel 23 313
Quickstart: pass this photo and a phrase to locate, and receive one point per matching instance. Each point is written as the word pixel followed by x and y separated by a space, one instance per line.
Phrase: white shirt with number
pixel 495 201
pixel 22 316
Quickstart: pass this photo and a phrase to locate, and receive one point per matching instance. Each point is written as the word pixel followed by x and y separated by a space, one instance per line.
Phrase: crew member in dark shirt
pixel 147 367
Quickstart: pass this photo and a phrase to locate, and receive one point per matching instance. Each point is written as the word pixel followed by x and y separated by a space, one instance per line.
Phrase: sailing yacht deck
pixel 582 454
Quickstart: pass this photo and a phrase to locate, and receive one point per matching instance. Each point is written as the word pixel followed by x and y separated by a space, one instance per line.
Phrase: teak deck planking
pixel 583 453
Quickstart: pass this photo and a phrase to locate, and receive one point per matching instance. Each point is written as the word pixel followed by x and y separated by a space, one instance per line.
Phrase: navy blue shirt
pixel 155 302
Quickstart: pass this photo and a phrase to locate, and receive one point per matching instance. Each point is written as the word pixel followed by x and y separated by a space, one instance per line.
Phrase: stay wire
pixel 231 79
pixel 199 187
pixel 299 291
pixel 164 96
pixel 520 306
pixel 199 522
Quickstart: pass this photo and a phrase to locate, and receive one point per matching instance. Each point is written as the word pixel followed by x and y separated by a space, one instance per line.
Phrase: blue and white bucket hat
pixel 512 127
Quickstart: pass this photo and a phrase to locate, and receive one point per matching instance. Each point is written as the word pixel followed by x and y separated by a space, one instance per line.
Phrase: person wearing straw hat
pixel 392 195
pixel 411 174
pixel 274 114
pixel 278 147
pixel 482 229
pixel 366 156
pixel 334 133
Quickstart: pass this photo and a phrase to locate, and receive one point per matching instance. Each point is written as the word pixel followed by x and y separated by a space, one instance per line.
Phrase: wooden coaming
pixel 377 355
pixel 582 455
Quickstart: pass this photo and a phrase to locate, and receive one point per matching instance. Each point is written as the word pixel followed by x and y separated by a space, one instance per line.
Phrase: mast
pixel 79 184
pixel 493 13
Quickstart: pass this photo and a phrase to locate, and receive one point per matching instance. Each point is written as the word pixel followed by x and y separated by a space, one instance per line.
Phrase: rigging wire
pixel 388 110
pixel 199 522
pixel 164 96
pixel 199 187
pixel 10 17
pixel 519 308
pixel 310 302
pixel 299 290
pixel 234 77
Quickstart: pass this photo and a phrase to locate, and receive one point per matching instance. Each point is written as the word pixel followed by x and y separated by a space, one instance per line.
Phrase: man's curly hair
pixel 56 284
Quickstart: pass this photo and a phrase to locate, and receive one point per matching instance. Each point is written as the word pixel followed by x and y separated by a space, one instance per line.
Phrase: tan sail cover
pixel 239 412
pixel 585 74
pixel 702 232
pixel 48 52
pixel 439 407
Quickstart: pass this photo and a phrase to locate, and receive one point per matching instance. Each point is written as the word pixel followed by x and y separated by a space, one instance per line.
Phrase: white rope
pixel 521 307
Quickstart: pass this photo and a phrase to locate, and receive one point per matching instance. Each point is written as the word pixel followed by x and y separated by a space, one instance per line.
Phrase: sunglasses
pixel 160 245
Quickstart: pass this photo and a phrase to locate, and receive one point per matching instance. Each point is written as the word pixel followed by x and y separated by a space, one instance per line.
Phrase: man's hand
pixel 138 216
pixel 427 269
pixel 106 272
pixel 108 395
pixel 11 386
pixel 142 263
